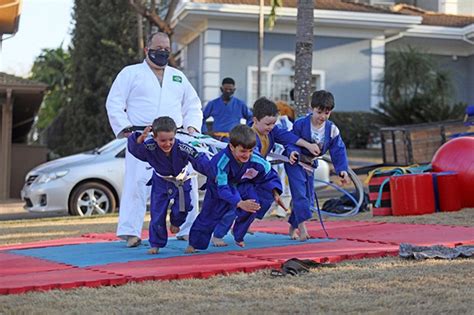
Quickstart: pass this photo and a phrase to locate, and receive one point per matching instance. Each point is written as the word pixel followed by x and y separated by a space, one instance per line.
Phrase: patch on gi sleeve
pixel 150 146
pixel 188 149
pixel 177 78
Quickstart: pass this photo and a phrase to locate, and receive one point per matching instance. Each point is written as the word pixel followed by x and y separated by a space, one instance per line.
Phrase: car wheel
pixel 92 198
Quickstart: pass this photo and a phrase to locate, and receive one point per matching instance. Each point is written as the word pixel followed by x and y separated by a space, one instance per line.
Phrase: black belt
pixel 138 128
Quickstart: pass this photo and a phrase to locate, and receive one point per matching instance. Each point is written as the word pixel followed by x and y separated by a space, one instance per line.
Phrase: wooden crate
pixel 410 144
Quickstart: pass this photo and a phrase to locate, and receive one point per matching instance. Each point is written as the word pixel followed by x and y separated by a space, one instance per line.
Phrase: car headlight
pixel 44 178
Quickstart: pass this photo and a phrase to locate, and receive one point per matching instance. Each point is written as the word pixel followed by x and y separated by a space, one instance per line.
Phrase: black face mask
pixel 159 57
pixel 226 95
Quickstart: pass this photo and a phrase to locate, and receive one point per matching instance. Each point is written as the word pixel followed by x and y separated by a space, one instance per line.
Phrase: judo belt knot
pixel 178 181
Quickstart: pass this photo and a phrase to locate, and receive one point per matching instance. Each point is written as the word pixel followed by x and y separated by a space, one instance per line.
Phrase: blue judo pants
pixel 214 210
pixel 302 194
pixel 161 195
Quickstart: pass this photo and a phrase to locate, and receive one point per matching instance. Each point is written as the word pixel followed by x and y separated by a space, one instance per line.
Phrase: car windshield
pixel 109 146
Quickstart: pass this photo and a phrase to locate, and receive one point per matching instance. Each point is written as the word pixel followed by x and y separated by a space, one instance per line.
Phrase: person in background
pixel 226 110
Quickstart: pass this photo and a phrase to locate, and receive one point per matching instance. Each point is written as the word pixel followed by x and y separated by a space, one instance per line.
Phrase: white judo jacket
pixel 136 99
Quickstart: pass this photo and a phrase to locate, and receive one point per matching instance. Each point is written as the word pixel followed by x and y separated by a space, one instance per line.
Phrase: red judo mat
pixel 353 240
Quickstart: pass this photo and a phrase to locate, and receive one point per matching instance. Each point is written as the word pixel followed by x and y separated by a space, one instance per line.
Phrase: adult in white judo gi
pixel 139 94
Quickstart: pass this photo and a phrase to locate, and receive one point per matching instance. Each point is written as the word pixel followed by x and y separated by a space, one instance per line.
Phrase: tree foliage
pixel 104 41
pixel 52 67
pixel 416 90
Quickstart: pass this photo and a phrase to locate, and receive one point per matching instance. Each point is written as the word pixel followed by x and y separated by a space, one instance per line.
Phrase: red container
pixel 385 207
pixel 449 192
pixel 412 194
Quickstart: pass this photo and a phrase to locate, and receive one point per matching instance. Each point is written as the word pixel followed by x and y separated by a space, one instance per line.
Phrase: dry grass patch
pixel 368 286
pixel 388 285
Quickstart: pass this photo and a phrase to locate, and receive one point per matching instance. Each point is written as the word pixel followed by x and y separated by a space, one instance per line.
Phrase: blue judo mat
pixel 94 254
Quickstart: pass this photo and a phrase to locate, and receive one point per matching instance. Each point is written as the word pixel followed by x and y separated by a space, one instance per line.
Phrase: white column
pixel 211 69
pixel 377 68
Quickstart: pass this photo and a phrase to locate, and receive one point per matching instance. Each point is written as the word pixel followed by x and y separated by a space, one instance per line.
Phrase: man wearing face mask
pixel 227 111
pixel 139 94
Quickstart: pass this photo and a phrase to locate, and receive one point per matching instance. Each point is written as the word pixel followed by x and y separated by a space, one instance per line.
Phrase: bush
pixel 357 128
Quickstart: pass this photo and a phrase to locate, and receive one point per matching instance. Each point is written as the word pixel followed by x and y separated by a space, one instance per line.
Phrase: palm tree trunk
pixel 303 55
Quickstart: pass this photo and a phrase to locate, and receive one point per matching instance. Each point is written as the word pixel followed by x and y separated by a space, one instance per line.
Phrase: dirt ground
pixel 386 285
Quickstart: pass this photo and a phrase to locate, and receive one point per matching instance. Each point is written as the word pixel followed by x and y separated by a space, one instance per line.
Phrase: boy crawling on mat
pixel 315 128
pixel 169 158
pixel 234 177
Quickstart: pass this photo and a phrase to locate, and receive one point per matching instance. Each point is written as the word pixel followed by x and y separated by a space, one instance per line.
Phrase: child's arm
pixel 285 137
pixel 139 149
pixel 199 161
pixel 224 190
pixel 313 148
pixel 337 150
pixel 249 205
pixel 144 135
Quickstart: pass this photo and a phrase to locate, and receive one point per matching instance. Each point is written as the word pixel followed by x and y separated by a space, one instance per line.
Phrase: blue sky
pixel 43 24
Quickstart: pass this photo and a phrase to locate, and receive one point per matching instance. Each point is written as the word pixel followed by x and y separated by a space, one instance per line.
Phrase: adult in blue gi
pixel 226 110
pixel 233 179
pixel 169 158
pixel 315 128
pixel 268 134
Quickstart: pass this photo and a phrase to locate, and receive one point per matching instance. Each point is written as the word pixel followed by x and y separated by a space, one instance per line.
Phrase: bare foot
pixel 189 250
pixel 240 244
pixel 182 238
pixel 153 250
pixel 292 233
pixel 304 236
pixel 218 242
pixel 174 229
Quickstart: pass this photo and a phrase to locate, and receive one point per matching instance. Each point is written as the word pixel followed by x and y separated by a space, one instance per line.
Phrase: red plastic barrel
pixel 449 192
pixel 412 194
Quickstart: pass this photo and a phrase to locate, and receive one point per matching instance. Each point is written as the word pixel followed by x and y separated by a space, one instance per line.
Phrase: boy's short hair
pixel 244 136
pixel 228 81
pixel 165 124
pixel 264 107
pixel 323 100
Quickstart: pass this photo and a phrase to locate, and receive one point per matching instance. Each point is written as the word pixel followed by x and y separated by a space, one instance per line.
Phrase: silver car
pixel 84 184
pixel 90 183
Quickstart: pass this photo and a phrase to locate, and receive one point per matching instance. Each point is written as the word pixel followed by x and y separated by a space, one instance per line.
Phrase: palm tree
pixel 415 90
pixel 303 55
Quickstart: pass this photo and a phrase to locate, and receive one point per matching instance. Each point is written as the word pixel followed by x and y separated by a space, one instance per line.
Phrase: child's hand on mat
pixel 249 205
pixel 293 157
pixel 279 201
pixel 144 135
pixel 344 177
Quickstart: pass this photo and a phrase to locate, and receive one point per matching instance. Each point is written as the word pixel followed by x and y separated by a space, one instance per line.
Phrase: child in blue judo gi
pixel 316 128
pixel 169 157
pixel 265 116
pixel 234 177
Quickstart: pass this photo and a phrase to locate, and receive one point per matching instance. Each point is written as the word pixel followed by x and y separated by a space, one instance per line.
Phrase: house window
pixel 278 79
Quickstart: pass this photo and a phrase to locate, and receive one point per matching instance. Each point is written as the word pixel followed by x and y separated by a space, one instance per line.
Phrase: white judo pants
pixel 135 194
